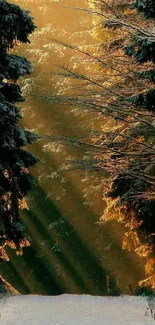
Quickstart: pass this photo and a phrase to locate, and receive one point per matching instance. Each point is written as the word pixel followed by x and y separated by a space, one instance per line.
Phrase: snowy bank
pixel 74 310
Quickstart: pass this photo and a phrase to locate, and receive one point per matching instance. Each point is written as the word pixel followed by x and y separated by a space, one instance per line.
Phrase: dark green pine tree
pixel 142 49
pixel 147 7
pixel 15 27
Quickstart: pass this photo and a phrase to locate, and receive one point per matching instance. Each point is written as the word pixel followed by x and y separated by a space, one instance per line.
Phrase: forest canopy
pixel 124 93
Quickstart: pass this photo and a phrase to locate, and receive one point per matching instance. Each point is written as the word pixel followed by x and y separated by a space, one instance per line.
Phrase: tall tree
pixel 15 27
pixel 125 93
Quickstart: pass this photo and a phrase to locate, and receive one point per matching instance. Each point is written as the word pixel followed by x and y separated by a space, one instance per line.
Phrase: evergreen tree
pixel 15 27
pixel 147 7
pixel 135 194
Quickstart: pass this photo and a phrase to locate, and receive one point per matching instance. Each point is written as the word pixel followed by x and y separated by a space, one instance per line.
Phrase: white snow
pixel 74 310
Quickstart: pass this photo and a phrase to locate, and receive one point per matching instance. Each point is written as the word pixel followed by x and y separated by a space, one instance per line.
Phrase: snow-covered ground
pixel 74 310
